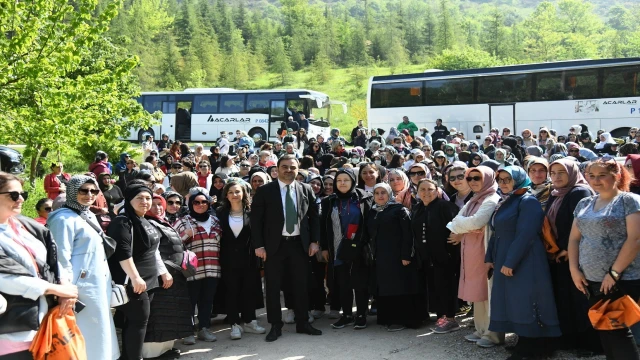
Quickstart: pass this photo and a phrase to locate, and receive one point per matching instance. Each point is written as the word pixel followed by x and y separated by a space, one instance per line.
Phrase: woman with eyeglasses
pixel 408 197
pixel 543 136
pixel 175 168
pixel 469 228
pixel 440 160
pixel 205 177
pixel 112 194
pixel 457 180
pixel 126 176
pixel 29 274
pixel 175 202
pixel 603 247
pixel 227 165
pixel 200 232
pixel 55 183
pixel 84 262
pixel 569 188
pixel 522 298
pixel 43 208
pixel 475 159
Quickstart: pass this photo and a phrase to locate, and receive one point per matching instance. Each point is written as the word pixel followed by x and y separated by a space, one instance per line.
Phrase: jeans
pixel 136 313
pixel 202 292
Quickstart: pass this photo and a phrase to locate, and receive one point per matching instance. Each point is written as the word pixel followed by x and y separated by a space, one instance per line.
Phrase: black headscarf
pixel 215 192
pixel 131 192
pixel 351 191
pixel 193 193
pixel 169 194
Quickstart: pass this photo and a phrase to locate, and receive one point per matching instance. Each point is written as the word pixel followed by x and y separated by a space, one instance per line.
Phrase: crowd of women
pixel 531 238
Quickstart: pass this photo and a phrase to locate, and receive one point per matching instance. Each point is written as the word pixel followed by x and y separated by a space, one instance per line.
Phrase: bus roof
pixel 523 68
pixel 206 91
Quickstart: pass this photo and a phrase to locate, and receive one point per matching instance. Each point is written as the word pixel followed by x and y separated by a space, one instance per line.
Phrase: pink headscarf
pixel 489 187
pixel 575 179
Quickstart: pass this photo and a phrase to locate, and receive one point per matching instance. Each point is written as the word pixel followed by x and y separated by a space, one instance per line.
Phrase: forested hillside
pixel 213 43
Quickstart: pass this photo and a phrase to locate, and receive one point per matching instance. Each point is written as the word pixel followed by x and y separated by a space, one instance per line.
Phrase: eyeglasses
pixel 93 192
pixel 174 203
pixel 457 177
pixel 15 195
pixel 176 166
pixel 199 203
pixel 245 165
pixel 504 181
pixel 449 150
pixel 473 178
pixel 48 209
pixel 418 173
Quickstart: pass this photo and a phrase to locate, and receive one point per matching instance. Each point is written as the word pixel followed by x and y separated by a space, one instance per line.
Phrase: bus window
pixel 449 91
pixel 168 107
pixel 548 86
pixel 581 84
pixel 259 103
pixel 153 103
pixel 621 82
pixel 397 95
pixel 231 104
pixel 505 88
pixel 478 129
pixel 205 104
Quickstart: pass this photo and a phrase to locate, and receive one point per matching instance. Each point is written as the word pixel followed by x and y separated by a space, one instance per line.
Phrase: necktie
pixel 290 211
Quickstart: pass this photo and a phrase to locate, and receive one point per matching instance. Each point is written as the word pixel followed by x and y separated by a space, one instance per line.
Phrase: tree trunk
pixel 33 166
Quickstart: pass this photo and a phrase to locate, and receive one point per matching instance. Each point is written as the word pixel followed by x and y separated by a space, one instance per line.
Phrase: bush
pixel 35 194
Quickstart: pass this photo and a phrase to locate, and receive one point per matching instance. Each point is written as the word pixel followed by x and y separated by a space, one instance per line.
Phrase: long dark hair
pixel 100 156
pixel 395 161
pixel 224 159
pixel 5 178
pixel 224 202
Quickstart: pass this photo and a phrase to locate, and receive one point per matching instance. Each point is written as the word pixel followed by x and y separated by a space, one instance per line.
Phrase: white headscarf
pixel 608 139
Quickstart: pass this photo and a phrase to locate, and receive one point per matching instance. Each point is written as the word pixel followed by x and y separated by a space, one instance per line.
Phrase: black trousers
pixel 202 292
pixel 240 294
pixel 136 313
pixel 445 290
pixel 317 293
pixel 290 260
pixel 618 344
pixel 343 278
pixel 334 288
pixel 22 355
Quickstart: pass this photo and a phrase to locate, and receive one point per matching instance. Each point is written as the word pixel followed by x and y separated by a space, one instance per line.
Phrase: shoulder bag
pixel 119 294
pixel 108 242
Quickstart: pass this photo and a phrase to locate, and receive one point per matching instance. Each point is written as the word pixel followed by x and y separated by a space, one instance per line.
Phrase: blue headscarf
pixel 519 176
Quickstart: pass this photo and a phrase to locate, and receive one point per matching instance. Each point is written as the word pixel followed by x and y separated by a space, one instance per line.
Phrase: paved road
pixel 374 342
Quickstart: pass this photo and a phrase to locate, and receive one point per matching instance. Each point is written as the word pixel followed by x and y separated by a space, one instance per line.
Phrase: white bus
pixel 201 114
pixel 602 94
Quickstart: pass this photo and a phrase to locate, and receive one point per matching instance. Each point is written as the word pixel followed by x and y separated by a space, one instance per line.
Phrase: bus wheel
pixel 258 134
pixel 142 134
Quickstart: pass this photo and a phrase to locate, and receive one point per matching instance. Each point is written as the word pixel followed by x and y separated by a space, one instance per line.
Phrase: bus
pixel 201 114
pixel 602 94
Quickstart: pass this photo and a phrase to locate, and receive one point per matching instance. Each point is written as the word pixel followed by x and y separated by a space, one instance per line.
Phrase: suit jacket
pixel 267 216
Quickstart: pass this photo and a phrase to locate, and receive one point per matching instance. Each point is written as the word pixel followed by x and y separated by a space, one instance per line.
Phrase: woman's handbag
pixel 119 295
pixel 189 264
pixel 58 338
pixel 548 239
pixel 608 314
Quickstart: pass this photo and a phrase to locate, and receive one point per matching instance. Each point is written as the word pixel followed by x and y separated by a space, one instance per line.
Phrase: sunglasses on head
pixel 94 192
pixel 174 203
pixel 418 173
pixel 199 203
pixel 473 178
pixel 15 195
pixel 457 177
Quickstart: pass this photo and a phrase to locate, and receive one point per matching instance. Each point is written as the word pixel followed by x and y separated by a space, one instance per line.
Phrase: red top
pixel 52 184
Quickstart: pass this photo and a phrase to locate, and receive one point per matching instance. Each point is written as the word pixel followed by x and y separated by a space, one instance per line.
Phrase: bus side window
pixel 477 129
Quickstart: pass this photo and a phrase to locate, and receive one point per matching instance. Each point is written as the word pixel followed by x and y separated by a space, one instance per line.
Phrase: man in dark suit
pixel 285 226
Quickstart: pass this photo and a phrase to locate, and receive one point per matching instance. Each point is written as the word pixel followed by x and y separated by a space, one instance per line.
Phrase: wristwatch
pixel 614 274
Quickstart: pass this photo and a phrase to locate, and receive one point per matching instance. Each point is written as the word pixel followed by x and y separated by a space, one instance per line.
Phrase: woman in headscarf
pixel 112 194
pixel 121 165
pixel 474 160
pixel 450 153
pixel 501 157
pixel 84 262
pixel 136 263
pixel 605 138
pixel 632 164
pixel 201 232
pixel 393 133
pixel 398 181
pixel 342 225
pixel 538 171
pixel 438 260
pixel 175 202
pixel 543 136
pixel 256 180
pixel 469 228
pixel 317 266
pixel 527 138
pixel 327 182
pixel 241 277
pixel 456 179
pixel 183 182
pixel 569 187
pixel 408 197
pixel 169 318
pixel 440 160
pixel 399 294
pixel 522 294
pixel 199 154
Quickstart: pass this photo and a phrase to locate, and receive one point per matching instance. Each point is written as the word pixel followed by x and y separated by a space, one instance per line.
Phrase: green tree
pixel 280 63
pixel 543 42
pixel 466 58
pixel 234 70
pixel 445 32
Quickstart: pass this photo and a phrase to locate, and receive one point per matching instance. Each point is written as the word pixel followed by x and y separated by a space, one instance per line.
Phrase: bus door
pixel 183 119
pixel 276 117
pixel 502 116
pixel 168 120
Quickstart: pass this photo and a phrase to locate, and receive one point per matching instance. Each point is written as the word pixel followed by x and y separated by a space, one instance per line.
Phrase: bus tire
pixel 258 135
pixel 142 134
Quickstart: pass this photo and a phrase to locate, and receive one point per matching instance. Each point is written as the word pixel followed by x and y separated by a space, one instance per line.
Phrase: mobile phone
pixel 490 274
pixel 79 306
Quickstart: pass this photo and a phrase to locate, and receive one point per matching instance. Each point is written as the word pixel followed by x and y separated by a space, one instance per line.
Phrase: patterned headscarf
pixel 575 179
pixel 392 199
pixel 73 186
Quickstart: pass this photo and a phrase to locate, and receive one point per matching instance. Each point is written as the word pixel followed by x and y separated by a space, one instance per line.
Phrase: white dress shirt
pixel 283 195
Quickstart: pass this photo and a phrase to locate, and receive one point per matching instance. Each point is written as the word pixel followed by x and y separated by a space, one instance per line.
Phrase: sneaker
pixel 289 317
pixel 189 340
pixel 447 326
pixel 485 343
pixel 360 323
pixel 344 321
pixel 311 318
pixel 317 313
pixel 464 310
pixel 472 337
pixel 441 320
pixel 206 335
pixel 334 314
pixel 236 332
pixel 395 327
pixel 253 328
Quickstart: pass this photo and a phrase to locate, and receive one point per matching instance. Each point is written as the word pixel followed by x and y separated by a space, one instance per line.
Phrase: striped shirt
pixel 205 243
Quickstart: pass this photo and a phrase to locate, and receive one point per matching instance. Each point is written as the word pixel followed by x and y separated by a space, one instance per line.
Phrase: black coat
pixel 391 241
pixel 429 227
pixel 235 252
pixel 267 216
pixel 564 219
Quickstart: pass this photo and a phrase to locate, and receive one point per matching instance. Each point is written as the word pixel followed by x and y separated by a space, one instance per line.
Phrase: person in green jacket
pixel 406 124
